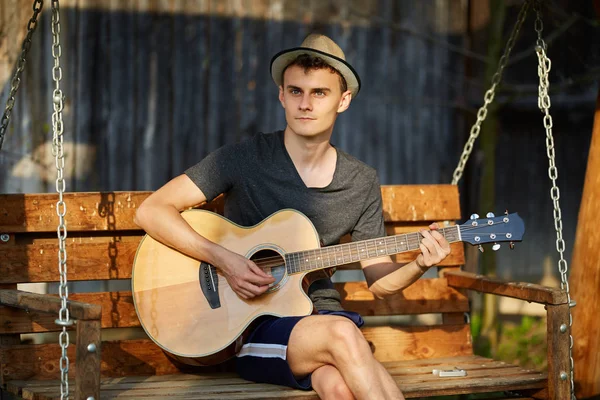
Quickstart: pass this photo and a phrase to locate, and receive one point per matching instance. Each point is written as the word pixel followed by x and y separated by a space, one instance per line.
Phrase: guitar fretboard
pixel 347 253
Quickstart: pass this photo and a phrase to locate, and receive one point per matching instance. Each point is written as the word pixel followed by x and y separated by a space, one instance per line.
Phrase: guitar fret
pixel 346 249
pixel 388 246
pixel 381 251
pixel 297 262
pixel 321 259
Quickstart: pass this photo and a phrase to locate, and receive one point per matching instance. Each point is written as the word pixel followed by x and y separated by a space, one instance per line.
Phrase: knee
pixel 347 340
pixel 338 391
pixel 329 384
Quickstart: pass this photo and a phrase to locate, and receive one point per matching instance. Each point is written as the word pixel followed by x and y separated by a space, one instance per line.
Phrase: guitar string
pixel 410 237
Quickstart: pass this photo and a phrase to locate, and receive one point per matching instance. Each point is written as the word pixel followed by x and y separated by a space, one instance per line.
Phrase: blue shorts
pixel 263 357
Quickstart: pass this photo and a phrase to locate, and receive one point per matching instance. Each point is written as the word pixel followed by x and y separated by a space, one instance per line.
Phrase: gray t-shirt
pixel 259 178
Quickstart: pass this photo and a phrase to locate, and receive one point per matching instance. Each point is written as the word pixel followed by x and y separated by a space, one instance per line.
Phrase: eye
pixel 295 91
pixel 319 93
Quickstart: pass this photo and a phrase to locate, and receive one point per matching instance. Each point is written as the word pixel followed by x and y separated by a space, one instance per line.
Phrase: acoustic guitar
pixel 187 307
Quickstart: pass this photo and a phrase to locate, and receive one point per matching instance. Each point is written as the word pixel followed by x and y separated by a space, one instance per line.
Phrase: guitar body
pixel 187 306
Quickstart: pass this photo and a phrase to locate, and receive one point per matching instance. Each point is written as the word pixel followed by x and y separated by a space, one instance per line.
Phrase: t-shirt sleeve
pixel 217 172
pixel 370 224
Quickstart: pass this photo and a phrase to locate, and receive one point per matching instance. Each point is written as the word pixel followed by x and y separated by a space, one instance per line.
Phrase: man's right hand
pixel 245 278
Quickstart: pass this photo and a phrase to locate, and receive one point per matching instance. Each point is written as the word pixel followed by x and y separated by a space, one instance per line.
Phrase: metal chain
pixel 16 80
pixel 61 207
pixel 489 96
pixel 544 66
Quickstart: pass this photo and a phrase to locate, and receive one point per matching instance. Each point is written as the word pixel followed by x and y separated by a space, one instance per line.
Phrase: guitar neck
pixel 333 256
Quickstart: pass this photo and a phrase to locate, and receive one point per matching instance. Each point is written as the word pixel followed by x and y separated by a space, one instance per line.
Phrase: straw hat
pixel 319 46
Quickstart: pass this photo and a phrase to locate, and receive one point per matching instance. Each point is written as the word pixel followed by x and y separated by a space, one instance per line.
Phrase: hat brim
pixel 282 59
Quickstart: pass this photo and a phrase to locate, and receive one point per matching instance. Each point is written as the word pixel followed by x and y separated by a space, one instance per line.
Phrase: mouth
pixel 306 119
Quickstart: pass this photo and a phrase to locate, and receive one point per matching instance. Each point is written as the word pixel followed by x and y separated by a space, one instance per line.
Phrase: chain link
pixel 489 96
pixel 544 66
pixel 61 207
pixel 16 80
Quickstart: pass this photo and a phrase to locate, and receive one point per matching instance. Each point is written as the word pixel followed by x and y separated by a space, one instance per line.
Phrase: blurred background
pixel 153 86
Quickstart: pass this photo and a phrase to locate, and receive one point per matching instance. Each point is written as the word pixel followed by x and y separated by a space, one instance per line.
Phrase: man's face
pixel 312 100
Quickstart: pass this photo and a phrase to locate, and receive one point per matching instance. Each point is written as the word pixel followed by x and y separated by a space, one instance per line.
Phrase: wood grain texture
pixel 519 290
pixel 114 211
pixel 585 272
pixel 413 377
pixel 48 304
pixel 558 352
pixel 87 373
pixel 421 202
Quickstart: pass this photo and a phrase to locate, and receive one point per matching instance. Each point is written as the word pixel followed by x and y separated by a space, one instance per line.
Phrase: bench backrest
pixel 101 245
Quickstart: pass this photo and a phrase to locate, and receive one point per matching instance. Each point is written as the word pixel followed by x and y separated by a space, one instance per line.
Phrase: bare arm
pixel 384 277
pixel 159 215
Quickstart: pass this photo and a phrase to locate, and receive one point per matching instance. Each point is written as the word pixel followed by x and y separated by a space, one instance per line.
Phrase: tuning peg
pixel 496 247
pixel 490 215
pixel 474 216
pixel 480 248
pixel 511 245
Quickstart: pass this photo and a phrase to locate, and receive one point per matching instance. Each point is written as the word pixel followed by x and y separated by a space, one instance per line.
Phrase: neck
pixel 306 151
pixel 332 256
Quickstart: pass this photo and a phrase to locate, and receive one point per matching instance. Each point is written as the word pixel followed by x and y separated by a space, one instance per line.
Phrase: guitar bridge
pixel 209 283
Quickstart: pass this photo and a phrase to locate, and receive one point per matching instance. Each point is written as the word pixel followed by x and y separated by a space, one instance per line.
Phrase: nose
pixel 305 104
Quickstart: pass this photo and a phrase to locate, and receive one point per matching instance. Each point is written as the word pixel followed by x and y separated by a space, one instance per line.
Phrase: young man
pixel 297 168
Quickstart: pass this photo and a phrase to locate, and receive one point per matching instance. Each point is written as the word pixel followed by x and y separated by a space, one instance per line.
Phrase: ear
pixel 345 101
pixel 281 99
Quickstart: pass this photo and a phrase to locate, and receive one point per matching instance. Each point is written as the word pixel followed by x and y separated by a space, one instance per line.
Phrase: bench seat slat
pixel 98 211
pixel 483 375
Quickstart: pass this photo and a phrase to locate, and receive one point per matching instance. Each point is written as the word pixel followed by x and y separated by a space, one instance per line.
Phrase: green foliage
pixel 524 344
pixel 481 345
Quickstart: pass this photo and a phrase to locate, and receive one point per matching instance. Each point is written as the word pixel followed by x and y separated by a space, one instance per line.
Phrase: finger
pixel 254 290
pixel 238 287
pixel 255 268
pixel 432 242
pixel 434 226
pixel 242 293
pixel 260 276
pixel 440 241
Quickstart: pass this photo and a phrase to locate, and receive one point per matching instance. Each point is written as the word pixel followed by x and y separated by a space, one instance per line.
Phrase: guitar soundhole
pixel 273 264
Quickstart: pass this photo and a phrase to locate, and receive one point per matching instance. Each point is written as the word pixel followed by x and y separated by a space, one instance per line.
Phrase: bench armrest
pixel 88 341
pixel 519 290
pixel 49 304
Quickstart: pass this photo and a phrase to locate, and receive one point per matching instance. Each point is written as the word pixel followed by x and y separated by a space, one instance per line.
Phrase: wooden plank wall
pixel 152 87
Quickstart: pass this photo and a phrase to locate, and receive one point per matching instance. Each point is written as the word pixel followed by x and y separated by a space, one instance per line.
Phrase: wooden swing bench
pixel 101 244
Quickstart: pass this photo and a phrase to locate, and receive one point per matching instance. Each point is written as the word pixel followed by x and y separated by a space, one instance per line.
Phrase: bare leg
pixel 329 384
pixel 319 340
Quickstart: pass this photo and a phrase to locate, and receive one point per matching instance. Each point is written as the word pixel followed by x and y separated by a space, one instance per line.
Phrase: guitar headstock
pixel 492 229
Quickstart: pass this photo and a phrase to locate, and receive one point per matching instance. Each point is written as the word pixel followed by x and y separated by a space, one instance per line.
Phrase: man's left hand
pixel 434 247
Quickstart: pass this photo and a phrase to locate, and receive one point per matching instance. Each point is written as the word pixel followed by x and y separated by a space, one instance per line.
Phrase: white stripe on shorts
pixel 263 350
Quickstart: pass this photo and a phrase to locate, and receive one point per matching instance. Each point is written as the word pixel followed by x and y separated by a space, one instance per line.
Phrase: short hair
pixel 312 63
